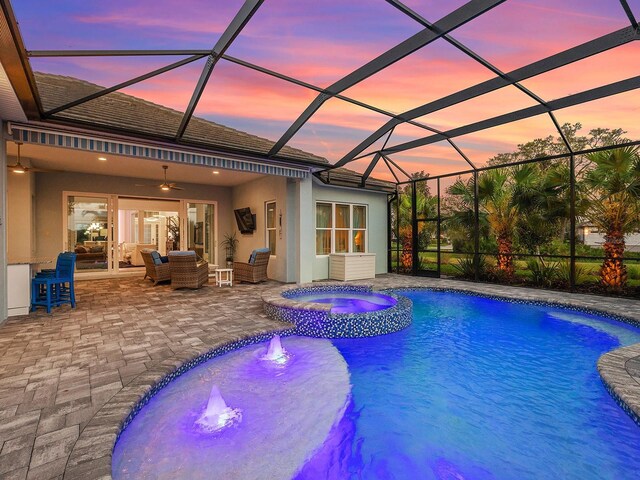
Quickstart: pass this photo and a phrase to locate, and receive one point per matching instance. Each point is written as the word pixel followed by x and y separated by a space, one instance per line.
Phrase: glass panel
pixel 433 10
pixel 359 216
pixel 271 215
pixel 342 216
pixel 551 26
pixel 272 241
pixel 336 128
pixel 403 239
pixel 320 42
pixel 323 242
pixel 604 68
pixel 323 215
pixel 401 86
pixel 201 231
pixel 434 159
pixel 274 104
pixel 342 241
pixel 606 121
pixel 172 90
pixel 457 227
pixel 530 138
pixel 99 72
pixel 505 100
pixel 359 241
pixel 128 236
pixel 121 24
pixel 88 231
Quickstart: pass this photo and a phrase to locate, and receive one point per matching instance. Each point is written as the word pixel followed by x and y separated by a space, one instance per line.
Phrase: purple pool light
pixel 349 302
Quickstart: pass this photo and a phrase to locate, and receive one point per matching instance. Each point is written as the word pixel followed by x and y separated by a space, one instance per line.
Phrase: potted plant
pixel 230 243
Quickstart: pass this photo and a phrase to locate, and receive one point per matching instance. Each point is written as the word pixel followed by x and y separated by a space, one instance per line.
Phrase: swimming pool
pixel 474 388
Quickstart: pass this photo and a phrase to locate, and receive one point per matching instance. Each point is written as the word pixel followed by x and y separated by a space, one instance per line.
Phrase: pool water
pixel 349 302
pixel 481 389
pixel 474 389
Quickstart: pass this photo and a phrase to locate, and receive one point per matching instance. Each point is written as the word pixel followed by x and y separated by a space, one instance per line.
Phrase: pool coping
pixel 91 455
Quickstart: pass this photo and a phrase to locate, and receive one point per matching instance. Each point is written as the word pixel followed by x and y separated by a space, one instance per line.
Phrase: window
pixel 340 228
pixel 271 226
pixel 323 228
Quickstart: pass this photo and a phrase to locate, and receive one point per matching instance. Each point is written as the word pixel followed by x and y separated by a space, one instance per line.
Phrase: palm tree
pixel 513 202
pixel 614 208
pixel 497 211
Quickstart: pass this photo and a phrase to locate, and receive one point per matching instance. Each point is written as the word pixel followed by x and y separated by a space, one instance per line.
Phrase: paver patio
pixel 58 371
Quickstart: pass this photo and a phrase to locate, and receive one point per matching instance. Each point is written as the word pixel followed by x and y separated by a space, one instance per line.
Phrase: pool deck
pixel 68 379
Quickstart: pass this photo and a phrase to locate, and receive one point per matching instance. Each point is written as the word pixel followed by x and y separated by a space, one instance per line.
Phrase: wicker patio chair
pixel 253 271
pixel 187 271
pixel 156 269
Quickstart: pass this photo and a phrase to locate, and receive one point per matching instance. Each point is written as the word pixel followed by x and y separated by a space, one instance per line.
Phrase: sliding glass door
pixel 89 232
pixel 200 229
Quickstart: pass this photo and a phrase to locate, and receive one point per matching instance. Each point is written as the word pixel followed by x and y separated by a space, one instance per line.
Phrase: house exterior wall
pixel 255 195
pixel 594 239
pixel 376 228
pixel 49 188
pixel 20 235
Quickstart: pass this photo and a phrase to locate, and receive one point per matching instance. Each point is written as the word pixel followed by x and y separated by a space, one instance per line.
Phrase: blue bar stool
pixel 53 290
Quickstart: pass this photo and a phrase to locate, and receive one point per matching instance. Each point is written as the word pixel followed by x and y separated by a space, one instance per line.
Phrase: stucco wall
pixel 376 231
pixel 255 195
pixel 20 241
pixel 49 209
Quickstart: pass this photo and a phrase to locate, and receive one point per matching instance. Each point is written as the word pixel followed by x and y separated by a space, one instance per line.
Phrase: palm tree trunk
pixel 613 272
pixel 505 260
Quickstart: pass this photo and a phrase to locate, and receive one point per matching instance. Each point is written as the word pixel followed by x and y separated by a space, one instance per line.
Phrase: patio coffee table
pixel 224 276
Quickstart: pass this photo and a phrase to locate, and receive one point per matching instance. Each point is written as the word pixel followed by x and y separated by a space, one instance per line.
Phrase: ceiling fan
pixel 166 186
pixel 19 168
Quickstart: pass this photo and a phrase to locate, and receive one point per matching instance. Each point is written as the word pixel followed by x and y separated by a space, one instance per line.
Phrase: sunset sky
pixel 321 41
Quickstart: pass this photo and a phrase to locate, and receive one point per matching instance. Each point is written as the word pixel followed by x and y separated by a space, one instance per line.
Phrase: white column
pixel 3 230
pixel 305 233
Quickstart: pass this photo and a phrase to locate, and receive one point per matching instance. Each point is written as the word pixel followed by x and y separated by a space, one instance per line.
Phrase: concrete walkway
pixel 68 380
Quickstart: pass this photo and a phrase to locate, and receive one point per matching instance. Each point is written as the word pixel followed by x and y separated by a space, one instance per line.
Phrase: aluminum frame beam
pixel 248 9
pixel 564 102
pixel 112 53
pixel 455 19
pixel 629 12
pixel 579 52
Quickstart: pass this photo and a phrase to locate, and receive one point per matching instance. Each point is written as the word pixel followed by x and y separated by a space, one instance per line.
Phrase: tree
pixel 614 207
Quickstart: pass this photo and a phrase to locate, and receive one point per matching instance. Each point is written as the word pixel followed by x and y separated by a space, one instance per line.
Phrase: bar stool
pixel 53 290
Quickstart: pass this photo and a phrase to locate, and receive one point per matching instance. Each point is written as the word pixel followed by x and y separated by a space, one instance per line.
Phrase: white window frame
pixel 267 229
pixel 351 230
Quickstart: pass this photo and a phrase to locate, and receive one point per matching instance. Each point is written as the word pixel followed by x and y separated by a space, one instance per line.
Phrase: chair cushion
pixel 164 259
pixel 179 253
pixel 252 258
pixel 156 258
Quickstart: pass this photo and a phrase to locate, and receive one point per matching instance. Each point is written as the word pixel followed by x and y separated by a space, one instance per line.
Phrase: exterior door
pixel 201 230
pixel 89 231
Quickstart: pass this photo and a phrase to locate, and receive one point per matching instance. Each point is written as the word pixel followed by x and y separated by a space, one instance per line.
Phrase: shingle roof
pixel 131 114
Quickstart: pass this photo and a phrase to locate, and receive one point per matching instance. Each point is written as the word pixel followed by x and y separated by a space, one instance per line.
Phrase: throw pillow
pixel 80 249
pixel 156 258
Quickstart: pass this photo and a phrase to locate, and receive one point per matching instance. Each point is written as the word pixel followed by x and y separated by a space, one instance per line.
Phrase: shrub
pixel 465 266
pixel 542 273
pixel 563 273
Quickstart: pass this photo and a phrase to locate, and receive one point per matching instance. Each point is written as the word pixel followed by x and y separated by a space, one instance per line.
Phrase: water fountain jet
pixel 276 353
pixel 218 415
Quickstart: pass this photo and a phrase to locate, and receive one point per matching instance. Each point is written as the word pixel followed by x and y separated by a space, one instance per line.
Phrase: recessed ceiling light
pixel 216 172
pixel 102 159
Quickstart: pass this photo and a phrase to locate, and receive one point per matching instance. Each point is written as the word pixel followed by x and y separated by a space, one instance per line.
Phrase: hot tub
pixel 339 310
